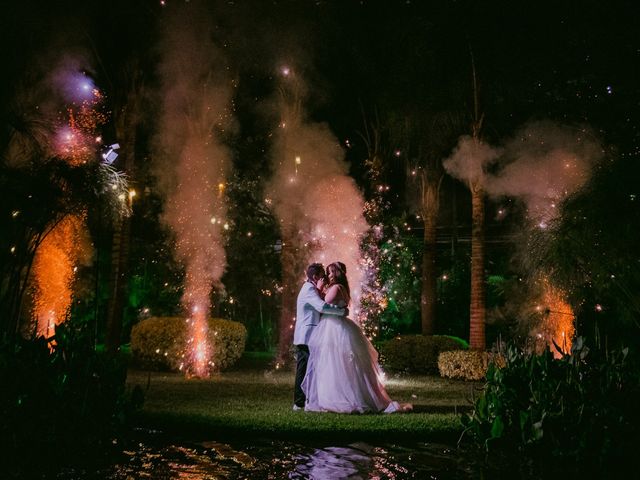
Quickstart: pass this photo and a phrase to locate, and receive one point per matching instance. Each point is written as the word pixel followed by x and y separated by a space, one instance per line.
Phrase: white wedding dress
pixel 343 374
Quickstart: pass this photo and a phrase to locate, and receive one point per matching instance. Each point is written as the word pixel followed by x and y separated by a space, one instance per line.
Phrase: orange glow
pixel 558 319
pixel 54 273
pixel 200 350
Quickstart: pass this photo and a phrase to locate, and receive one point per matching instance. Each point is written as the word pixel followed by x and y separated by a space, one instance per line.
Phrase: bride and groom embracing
pixel 337 368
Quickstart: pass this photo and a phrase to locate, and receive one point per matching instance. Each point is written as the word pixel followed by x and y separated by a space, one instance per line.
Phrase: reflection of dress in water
pixel 335 463
pixel 343 374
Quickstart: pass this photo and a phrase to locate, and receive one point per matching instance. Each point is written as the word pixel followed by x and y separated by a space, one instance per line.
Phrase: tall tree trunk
pixel 120 247
pixel 477 307
pixel 430 206
pixel 118 283
pixel 429 283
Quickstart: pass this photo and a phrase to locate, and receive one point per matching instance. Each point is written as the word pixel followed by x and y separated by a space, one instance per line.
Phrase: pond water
pixel 153 455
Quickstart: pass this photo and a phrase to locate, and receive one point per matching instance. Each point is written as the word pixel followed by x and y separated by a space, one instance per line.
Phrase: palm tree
pixel 126 120
pixel 420 140
pixel 435 141
pixel 468 163
pixel 424 170
pixel 477 307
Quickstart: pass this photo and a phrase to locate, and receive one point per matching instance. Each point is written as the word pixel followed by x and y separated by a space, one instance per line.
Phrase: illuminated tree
pixel 40 195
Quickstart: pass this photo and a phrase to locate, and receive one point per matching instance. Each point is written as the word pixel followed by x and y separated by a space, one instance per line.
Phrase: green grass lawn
pixel 256 401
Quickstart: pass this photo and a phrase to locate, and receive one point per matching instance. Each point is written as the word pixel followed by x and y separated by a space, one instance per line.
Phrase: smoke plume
pixel 193 162
pixel 318 206
pixel 470 159
pixel 543 164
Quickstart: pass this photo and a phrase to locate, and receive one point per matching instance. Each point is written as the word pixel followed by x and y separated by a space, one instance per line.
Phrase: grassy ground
pixel 253 400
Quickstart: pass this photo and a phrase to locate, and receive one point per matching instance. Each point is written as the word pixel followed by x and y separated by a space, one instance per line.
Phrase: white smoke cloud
pixel 470 159
pixel 313 195
pixel 543 164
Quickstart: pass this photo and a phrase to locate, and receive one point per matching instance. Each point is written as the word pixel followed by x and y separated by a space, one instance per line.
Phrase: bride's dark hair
pixel 338 270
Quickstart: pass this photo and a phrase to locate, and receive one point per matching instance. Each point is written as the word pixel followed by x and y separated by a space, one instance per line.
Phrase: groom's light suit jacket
pixel 309 307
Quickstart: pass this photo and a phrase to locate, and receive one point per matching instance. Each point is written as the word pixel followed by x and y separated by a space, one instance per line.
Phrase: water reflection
pixel 154 456
pixel 332 462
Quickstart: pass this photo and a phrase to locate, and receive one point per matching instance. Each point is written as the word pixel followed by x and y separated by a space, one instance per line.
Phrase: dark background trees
pixel 404 65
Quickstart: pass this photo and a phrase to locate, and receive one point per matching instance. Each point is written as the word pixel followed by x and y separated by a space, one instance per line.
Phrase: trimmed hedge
pixel 467 364
pixel 160 342
pixel 417 353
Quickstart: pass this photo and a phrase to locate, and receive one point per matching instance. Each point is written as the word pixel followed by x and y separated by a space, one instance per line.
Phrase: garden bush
pixel 417 353
pixel 466 364
pixel 61 402
pixel 580 409
pixel 160 342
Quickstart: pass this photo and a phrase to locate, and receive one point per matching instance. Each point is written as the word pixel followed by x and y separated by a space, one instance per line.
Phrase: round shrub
pixel 417 353
pixel 467 364
pixel 160 342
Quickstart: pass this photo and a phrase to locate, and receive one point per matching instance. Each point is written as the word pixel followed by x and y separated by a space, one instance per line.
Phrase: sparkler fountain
pixel 555 327
pixel 193 164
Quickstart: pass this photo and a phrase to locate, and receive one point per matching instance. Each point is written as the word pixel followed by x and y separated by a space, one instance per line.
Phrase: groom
pixel 308 309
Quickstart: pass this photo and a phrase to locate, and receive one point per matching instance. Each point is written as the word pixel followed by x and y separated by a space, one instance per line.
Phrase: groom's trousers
pixel 302 357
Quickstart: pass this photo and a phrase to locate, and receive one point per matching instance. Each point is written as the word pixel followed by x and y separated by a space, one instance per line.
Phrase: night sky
pixel 574 63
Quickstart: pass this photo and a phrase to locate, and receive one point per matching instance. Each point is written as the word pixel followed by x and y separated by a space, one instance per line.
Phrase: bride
pixel 343 374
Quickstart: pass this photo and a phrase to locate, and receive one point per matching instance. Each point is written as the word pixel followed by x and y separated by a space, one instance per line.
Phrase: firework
pixel 556 320
pixel 196 101
pixel 66 245
pixel 54 272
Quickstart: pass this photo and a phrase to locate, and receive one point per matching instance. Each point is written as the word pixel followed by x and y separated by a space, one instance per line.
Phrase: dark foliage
pixel 252 278
pixel 62 404
pixel 593 249
pixel 400 279
pixel 579 410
